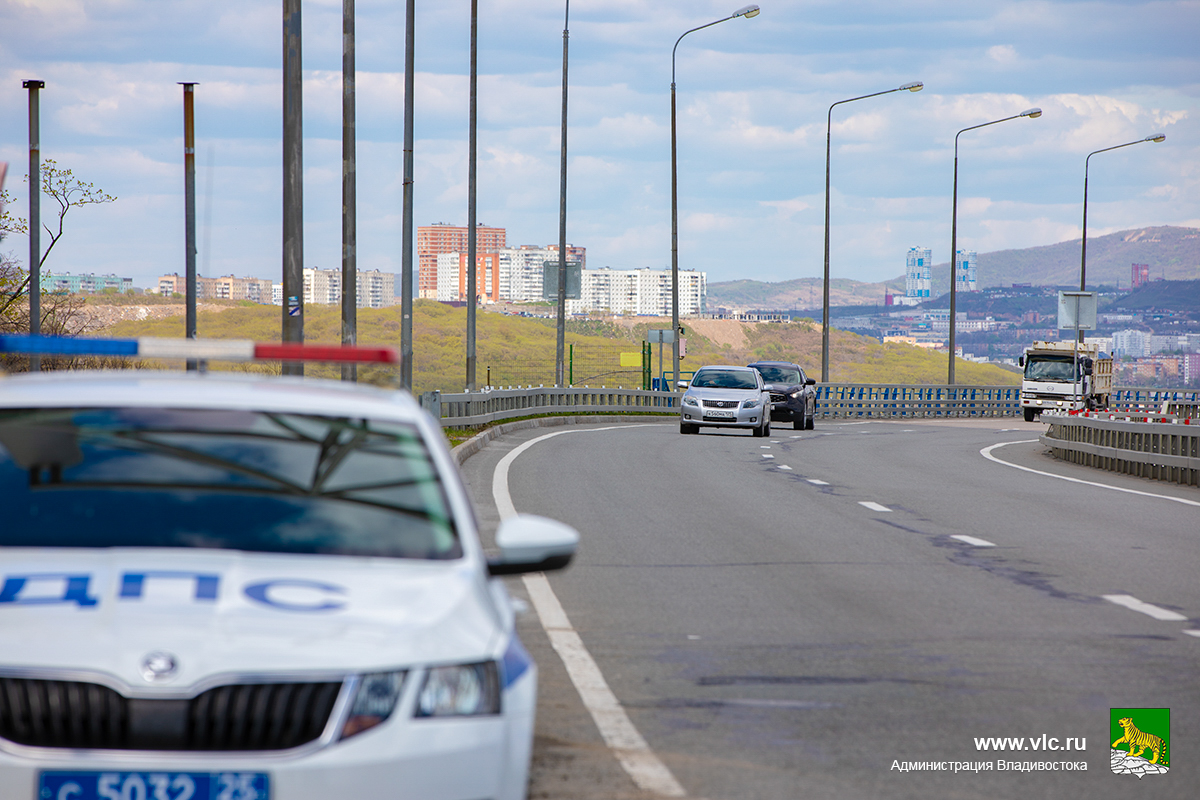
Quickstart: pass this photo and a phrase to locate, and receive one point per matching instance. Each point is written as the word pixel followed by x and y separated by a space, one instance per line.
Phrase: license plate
pixel 720 414
pixel 154 785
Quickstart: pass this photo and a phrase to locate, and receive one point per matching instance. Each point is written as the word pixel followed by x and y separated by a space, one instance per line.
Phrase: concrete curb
pixel 476 443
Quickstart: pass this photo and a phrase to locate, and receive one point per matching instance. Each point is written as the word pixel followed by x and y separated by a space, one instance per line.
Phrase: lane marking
pixel 852 423
pixel 765 446
pixel 987 453
pixel 973 541
pixel 816 482
pixel 796 437
pixel 774 441
pixel 871 504
pixel 766 455
pixel 618 731
pixel 1133 603
pixel 784 466
pixel 1193 633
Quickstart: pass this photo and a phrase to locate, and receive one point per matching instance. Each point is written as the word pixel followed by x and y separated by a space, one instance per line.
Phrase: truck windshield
pixel 1049 368
pixel 239 480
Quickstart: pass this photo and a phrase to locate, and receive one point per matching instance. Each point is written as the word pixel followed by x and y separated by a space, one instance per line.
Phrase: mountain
pixel 1177 296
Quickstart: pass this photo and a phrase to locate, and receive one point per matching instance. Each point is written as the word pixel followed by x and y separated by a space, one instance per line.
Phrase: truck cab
pixel 1064 376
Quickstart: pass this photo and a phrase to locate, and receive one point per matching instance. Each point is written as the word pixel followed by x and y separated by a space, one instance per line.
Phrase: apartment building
pixel 639 292
pixel 441 239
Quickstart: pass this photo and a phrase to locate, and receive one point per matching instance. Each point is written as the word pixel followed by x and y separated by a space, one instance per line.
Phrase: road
pixel 791 617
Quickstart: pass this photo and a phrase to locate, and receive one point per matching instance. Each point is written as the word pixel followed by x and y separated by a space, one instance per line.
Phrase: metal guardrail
pixel 1166 450
pixel 469 409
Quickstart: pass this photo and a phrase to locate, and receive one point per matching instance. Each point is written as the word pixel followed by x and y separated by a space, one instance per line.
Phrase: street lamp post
pixel 560 343
pixel 747 12
pixel 1032 113
pixel 915 86
pixel 1157 137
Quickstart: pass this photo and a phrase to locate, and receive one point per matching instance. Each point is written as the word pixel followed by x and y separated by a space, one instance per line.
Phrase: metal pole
pixel 349 192
pixel 472 235
pixel 674 238
pixel 825 294
pixel 562 217
pixel 953 262
pixel 35 216
pixel 293 184
pixel 406 258
pixel 189 205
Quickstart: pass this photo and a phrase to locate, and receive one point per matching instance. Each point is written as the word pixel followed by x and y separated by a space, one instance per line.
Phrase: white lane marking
pixel 987 453
pixel 617 730
pixel 1133 603
pixel 871 504
pixel 796 437
pixel 784 466
pixel 765 446
pixel 1193 633
pixel 766 455
pixel 971 540
pixel 816 482
pixel 774 441
pixel 852 423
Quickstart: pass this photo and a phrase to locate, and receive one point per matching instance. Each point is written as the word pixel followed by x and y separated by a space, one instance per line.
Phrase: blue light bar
pixel 60 345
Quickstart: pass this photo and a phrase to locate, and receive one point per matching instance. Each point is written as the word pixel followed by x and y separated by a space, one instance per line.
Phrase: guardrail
pixel 468 409
pixel 1166 450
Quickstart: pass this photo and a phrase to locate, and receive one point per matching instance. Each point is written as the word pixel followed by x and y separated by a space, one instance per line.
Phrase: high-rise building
pixel 965 272
pixel 441 238
pixel 917 280
pixel 452 277
pixel 1139 275
pixel 639 291
pixel 374 289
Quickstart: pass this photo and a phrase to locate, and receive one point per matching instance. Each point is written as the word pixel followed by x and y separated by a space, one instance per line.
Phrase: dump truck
pixel 1064 376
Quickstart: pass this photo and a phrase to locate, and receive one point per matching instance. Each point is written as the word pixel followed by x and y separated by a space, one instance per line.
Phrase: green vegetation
pixel 520 350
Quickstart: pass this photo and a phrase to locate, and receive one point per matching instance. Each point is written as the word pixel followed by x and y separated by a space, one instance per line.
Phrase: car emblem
pixel 159 666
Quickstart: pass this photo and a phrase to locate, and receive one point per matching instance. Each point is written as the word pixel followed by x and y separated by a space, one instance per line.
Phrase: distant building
pixel 374 289
pixel 639 292
pixel 917 280
pixel 1133 343
pixel 1139 275
pixel 84 284
pixel 256 290
pixel 964 272
pixel 452 275
pixel 442 238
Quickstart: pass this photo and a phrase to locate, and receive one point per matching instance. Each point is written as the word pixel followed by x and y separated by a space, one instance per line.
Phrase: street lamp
pixel 1032 113
pixel 1158 137
pixel 747 12
pixel 915 86
pixel 560 339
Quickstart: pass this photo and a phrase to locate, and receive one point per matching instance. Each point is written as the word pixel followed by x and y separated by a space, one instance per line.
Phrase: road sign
pixel 660 336
pixel 1077 310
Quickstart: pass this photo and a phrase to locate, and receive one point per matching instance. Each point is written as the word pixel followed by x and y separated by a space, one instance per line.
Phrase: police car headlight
pixel 460 691
pixel 688 400
pixel 373 701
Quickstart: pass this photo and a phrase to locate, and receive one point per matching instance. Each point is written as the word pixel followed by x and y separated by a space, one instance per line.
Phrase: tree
pixel 61 185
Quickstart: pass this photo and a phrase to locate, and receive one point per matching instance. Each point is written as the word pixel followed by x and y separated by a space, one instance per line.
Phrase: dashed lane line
pixel 766 455
pixel 1193 633
pixel 871 504
pixel 987 453
pixel 618 731
pixel 1148 609
pixel 971 540
pixel 784 466
pixel 816 482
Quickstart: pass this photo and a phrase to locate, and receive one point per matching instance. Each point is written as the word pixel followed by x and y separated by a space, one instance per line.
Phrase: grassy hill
pixel 520 351
pixel 1180 296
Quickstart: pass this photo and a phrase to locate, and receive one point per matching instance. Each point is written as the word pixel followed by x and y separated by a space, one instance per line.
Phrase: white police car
pixel 230 587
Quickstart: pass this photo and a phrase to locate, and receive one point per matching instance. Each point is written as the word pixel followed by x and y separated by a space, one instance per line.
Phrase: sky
pixel 753 95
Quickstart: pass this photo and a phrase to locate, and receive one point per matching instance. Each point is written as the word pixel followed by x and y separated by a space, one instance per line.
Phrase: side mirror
pixel 683 384
pixel 810 381
pixel 529 543
pixel 1021 361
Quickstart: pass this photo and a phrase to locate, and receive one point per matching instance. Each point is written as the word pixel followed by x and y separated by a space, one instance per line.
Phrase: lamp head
pixel 1158 137
pixel 747 12
pixel 915 86
pixel 1032 113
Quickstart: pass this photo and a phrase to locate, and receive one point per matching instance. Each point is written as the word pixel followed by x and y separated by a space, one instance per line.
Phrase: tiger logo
pixel 1139 741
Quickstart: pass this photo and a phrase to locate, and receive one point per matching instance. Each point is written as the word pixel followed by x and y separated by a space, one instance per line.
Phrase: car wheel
pixel 757 432
pixel 1029 413
pixel 811 422
pixel 685 429
pixel 799 425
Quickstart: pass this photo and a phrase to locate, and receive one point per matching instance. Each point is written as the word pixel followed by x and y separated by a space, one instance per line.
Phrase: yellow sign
pixel 631 359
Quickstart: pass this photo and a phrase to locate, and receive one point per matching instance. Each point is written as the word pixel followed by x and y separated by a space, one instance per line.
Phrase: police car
pixel 234 587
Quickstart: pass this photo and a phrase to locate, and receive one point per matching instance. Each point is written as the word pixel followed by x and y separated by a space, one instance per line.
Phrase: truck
pixel 1050 381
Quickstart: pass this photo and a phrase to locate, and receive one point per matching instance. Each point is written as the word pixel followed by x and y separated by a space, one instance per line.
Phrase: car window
pixel 780 374
pixel 240 480
pixel 725 379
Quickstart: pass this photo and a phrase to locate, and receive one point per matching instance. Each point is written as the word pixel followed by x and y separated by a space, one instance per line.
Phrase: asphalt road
pixel 773 637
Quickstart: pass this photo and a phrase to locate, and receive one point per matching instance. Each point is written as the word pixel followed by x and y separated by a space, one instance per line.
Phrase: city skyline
pixel 753 96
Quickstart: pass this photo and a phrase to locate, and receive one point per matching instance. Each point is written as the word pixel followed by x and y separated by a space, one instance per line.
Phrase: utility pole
pixel 560 346
pixel 293 184
pixel 189 213
pixel 471 233
pixel 349 193
pixel 35 216
pixel 406 257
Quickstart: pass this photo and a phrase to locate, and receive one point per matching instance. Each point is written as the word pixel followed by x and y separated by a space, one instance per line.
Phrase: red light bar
pixel 327 352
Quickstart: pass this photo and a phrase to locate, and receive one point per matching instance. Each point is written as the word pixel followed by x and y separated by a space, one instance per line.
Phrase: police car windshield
pixel 241 480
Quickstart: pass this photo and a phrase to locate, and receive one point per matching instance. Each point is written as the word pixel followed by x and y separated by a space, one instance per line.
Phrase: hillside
pixel 1177 296
pixel 798 293
pixel 520 351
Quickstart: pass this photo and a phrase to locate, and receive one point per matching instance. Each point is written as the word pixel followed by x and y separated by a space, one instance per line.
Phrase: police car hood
pixel 216 612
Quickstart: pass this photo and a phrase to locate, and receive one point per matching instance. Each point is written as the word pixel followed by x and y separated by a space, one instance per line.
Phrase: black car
pixel 793 398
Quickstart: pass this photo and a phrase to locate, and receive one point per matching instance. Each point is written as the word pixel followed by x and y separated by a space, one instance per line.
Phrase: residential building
pixel 639 292
pixel 965 272
pixel 452 277
pixel 374 289
pixel 917 280
pixel 84 284
pixel 441 238
pixel 1131 343
pixel 227 287
pixel 1139 275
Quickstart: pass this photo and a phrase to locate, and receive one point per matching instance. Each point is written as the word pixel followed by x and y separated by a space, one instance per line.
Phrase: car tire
pixel 687 429
pixel 1029 414
pixel 799 425
pixel 757 432
pixel 811 422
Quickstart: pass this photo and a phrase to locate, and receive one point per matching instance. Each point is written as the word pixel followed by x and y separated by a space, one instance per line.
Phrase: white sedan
pixel 233 587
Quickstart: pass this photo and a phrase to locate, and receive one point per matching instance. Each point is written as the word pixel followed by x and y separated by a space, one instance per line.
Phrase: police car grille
pixel 261 716
pixel 721 403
